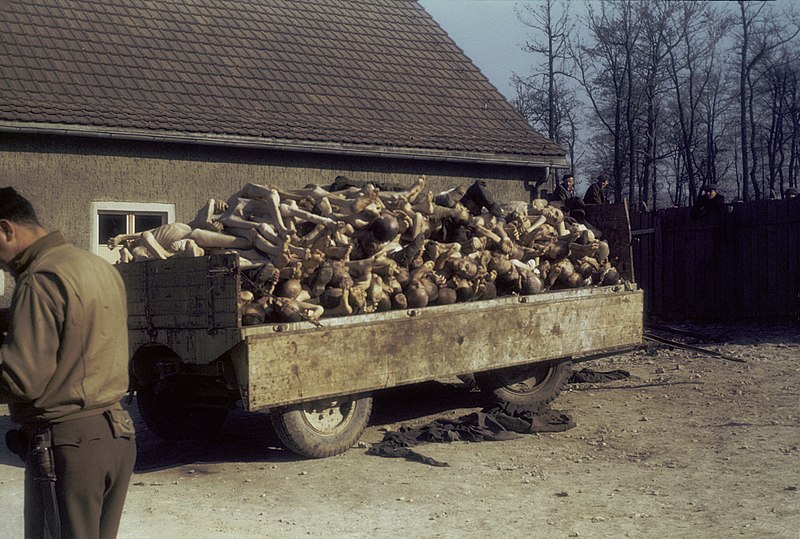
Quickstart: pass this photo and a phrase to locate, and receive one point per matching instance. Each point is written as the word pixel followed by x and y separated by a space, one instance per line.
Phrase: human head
pixel 603 180
pixel 791 192
pixel 710 190
pixel 19 225
pixel 385 228
pixel 15 207
pixel 568 180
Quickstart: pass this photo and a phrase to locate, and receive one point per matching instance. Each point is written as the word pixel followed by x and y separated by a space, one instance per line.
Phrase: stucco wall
pixel 62 176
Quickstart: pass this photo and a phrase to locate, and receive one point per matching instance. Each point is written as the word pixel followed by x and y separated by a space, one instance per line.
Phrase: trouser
pixel 91 460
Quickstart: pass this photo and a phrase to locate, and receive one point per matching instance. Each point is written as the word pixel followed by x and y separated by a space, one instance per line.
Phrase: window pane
pixel 143 221
pixel 111 224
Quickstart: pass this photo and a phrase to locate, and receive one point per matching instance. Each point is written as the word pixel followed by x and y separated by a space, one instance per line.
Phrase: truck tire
pixel 323 428
pixel 530 385
pixel 173 411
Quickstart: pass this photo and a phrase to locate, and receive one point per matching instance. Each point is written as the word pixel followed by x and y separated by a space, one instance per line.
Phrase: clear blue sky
pixel 489 32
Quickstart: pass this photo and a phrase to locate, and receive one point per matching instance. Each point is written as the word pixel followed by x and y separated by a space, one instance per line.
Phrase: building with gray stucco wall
pixel 150 109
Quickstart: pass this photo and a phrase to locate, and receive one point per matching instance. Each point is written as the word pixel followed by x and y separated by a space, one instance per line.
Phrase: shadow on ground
pixel 704 334
pixel 249 437
pixel 7 458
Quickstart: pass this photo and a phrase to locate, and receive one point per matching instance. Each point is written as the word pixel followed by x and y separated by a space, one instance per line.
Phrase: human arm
pixel 29 356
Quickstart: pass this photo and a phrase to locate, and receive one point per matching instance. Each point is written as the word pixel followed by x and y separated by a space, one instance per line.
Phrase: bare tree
pixel 775 105
pixel 793 115
pixel 541 18
pixel 652 76
pixel 543 97
pixel 602 69
pixel 659 39
pixel 531 102
pixel 759 32
pixel 698 30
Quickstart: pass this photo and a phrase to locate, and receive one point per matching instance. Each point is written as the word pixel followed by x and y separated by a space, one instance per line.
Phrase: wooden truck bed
pixel 189 305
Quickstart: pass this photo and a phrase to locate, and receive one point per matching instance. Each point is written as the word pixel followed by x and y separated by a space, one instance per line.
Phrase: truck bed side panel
pixel 187 304
pixel 281 365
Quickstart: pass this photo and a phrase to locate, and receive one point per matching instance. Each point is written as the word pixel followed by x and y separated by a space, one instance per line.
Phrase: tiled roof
pixel 353 73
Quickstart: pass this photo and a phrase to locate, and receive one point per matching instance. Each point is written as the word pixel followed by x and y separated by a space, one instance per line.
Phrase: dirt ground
pixel 689 446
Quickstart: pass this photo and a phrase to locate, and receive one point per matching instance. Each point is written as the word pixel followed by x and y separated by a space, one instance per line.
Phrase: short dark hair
pixel 603 178
pixel 15 207
pixel 566 176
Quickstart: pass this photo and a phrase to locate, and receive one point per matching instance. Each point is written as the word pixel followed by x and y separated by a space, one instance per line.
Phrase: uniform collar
pixel 21 262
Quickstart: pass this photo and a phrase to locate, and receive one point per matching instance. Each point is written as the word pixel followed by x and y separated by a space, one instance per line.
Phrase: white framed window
pixel 112 218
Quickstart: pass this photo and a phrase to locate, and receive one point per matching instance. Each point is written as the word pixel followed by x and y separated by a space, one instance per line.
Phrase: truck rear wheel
pixel 530 385
pixel 323 428
pixel 174 410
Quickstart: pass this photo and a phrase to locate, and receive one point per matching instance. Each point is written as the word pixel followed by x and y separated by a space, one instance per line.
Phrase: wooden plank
pixel 613 221
pixel 365 353
pixel 180 320
pixel 659 277
pixel 749 232
pixel 643 238
pixel 761 253
pixel 746 266
pixel 726 263
pixel 737 249
pixel 648 265
pixel 693 253
pixel 793 255
pixel 192 293
pixel 752 258
pixel 776 257
pixel 193 346
pixel 675 284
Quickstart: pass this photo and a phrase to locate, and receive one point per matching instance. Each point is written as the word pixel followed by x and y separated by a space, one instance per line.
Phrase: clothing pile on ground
pixel 495 423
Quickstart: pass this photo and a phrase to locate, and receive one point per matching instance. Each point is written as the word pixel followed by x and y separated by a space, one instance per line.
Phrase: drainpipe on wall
pixel 535 188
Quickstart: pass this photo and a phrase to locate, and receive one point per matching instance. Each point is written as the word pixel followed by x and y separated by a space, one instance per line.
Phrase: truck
pixel 193 361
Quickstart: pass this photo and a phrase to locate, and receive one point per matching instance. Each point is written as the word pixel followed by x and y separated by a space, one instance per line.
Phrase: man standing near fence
pixel 709 202
pixel 63 371
pixel 596 193
pixel 565 189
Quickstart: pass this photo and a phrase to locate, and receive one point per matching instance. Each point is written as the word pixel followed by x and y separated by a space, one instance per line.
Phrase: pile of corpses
pixel 315 252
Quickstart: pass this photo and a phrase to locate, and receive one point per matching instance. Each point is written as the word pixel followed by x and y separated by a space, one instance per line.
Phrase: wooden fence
pixel 743 264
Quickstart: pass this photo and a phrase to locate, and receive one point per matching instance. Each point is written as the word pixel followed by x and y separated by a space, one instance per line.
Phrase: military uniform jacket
pixel 66 352
pixel 594 195
pixel 560 193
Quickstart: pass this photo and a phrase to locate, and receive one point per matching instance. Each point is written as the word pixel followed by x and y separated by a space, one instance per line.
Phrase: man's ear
pixel 6 229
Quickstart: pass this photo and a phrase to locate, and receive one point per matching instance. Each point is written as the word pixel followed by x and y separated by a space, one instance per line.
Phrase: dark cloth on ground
pixel 589 376
pixel 490 424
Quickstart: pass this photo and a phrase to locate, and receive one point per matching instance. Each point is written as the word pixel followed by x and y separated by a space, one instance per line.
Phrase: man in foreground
pixel 63 371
